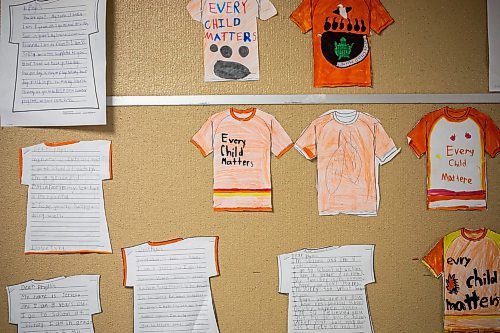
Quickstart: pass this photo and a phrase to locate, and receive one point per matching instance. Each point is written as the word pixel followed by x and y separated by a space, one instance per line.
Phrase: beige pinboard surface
pixel 162 186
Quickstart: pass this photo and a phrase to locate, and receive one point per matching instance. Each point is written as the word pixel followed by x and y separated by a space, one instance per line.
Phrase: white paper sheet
pixel 65 198
pixel 326 288
pixel 53 63
pixel 494 43
pixel 171 285
pixel 59 305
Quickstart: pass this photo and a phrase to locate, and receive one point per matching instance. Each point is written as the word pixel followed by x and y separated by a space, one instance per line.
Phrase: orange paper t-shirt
pixel 350 146
pixel 242 142
pixel 455 141
pixel 341 38
pixel 469 262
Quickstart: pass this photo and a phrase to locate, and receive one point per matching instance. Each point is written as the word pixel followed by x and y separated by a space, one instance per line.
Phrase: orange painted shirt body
pixel 349 146
pixel 242 142
pixel 469 262
pixel 341 38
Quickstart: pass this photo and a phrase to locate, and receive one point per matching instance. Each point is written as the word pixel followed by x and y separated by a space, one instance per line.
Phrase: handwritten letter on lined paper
pixel 60 49
pixel 326 288
pixel 171 285
pixel 63 304
pixel 65 197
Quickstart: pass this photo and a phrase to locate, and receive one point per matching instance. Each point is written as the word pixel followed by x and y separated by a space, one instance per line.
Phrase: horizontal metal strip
pixel 491 98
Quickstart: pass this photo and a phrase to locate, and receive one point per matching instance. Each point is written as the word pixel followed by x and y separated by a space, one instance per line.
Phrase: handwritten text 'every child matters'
pixel 224 17
pixel 478 279
pixel 232 151
pixel 457 158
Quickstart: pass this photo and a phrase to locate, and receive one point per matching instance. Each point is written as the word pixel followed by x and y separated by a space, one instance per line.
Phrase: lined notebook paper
pixel 326 288
pixel 59 305
pixel 53 62
pixel 171 284
pixel 65 199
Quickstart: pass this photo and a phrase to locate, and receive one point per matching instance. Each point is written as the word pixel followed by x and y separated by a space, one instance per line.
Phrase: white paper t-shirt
pixel 62 304
pixel 171 284
pixel 326 288
pixel 65 211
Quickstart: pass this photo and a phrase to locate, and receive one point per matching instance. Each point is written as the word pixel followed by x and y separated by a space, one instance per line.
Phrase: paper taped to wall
pixel 53 63
pixel 65 198
pixel 171 282
pixel 62 304
pixel 326 288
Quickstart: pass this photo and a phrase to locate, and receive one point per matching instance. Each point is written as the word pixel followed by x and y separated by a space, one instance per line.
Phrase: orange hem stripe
pixel 385 25
pixel 175 240
pixel 68 252
pixel 233 190
pixel 284 151
pixel 217 255
pixel 430 268
pixel 302 28
pixel 199 147
pixel 308 152
pixel 110 160
pixel 243 209
pixel 20 165
pixel 124 258
pixel 452 197
pixel 417 152
pixel 457 208
pixel 57 144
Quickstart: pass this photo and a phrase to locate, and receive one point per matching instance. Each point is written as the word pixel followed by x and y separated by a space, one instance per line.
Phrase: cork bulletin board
pixel 161 187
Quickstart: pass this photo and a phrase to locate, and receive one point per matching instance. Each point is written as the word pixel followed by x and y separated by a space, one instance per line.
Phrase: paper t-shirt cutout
pixel 62 304
pixel 37 26
pixel 455 141
pixel 171 282
pixel 326 288
pixel 52 62
pixel 469 263
pixel 242 141
pixel 230 44
pixel 349 146
pixel 341 38
pixel 65 211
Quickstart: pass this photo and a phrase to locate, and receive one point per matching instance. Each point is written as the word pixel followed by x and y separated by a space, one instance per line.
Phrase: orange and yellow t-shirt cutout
pixel 469 263
pixel 230 44
pixel 341 38
pixel 242 142
pixel 455 141
pixel 349 146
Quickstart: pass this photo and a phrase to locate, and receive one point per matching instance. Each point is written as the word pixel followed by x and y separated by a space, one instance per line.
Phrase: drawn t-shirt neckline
pixel 166 242
pixel 250 111
pixel 321 249
pixel 456 115
pixel 473 235
pixel 45 1
pixel 345 117
pixel 58 144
